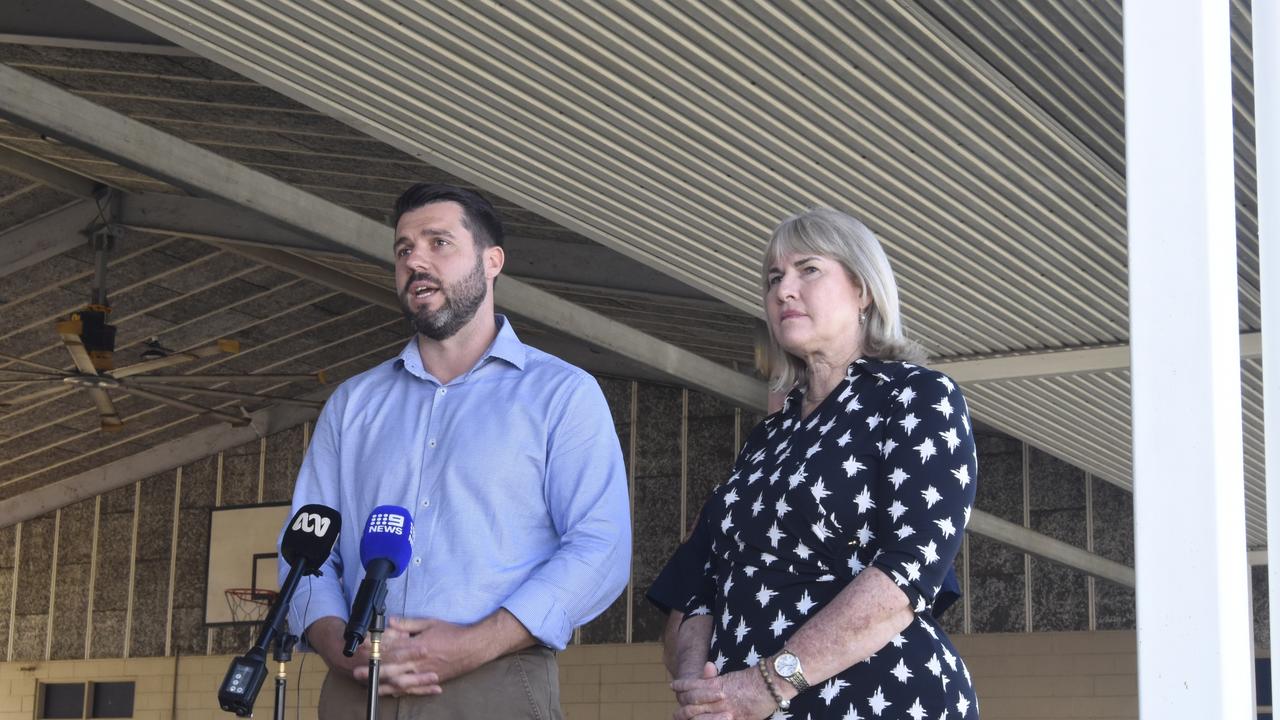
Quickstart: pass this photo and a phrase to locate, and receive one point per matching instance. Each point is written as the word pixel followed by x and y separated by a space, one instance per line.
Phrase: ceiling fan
pixel 90 340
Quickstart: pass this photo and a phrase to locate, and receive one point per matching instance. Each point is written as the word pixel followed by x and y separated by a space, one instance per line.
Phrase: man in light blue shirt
pixel 508 459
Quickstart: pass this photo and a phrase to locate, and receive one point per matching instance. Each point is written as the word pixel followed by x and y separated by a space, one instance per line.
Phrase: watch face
pixel 786 665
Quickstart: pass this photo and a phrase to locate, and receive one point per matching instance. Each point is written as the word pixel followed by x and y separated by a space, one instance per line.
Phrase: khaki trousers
pixel 525 684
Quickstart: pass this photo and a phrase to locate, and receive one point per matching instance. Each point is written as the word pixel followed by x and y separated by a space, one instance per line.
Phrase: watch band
pixel 783 703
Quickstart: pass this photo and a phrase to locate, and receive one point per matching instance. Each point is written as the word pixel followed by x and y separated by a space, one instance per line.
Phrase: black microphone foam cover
pixel 310 535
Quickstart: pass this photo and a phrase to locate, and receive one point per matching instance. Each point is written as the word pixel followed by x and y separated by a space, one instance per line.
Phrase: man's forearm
pixel 501 633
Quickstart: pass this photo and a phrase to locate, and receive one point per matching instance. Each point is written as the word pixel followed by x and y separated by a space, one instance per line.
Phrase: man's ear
pixel 494 259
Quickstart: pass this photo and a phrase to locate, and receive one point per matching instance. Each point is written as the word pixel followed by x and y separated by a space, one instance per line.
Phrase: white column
pixel 1266 123
pixel 1194 654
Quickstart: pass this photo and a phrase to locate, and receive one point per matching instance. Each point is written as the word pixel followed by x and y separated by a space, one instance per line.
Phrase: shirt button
pixel 431 442
pixel 417 561
pixel 426 503
pixel 443 391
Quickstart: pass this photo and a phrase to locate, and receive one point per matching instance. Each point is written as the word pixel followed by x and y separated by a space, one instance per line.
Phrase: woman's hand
pixel 738 695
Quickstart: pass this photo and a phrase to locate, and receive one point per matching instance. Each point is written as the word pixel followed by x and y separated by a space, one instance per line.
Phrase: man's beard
pixel 461 301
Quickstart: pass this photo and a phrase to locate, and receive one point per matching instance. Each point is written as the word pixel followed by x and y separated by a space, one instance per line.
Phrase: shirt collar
pixel 506 346
pixel 881 370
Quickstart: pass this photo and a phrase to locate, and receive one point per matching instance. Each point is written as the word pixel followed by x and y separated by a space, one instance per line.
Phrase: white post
pixel 1266 124
pixel 1194 654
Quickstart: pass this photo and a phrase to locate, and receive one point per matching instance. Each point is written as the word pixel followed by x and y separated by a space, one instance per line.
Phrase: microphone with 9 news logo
pixel 308 539
pixel 385 548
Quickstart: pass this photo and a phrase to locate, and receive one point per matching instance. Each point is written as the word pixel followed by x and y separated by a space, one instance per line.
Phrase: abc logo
pixel 312 523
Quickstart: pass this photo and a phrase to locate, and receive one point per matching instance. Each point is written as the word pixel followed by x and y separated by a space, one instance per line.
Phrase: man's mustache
pixel 421 277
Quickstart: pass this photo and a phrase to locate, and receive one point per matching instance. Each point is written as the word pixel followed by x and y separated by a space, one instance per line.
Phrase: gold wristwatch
pixel 787 667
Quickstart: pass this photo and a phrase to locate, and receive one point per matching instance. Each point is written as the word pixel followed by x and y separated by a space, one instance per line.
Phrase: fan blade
pixel 42 366
pixel 70 332
pixel 23 381
pixel 221 346
pixel 24 399
pixel 34 376
pixel 188 406
pixel 317 377
pixel 106 410
pixel 223 393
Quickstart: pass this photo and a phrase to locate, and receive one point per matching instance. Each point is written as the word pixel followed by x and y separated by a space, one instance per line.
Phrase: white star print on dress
pixel 877 702
pixel 805 604
pixel 779 624
pixel 831 689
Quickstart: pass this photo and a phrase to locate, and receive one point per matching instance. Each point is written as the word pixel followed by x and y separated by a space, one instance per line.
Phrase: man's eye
pixel 441 242
pixel 402 251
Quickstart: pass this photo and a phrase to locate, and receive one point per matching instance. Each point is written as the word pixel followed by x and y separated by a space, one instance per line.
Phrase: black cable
pixel 297 700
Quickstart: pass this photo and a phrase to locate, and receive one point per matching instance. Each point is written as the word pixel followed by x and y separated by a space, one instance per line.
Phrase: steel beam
pixel 1044 547
pixel 47 173
pixel 44 237
pixel 1061 362
pixel 157 459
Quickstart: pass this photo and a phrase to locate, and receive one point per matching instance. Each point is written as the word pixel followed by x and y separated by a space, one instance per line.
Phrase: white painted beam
pixel 1194 633
pixel 44 237
pixel 1266 115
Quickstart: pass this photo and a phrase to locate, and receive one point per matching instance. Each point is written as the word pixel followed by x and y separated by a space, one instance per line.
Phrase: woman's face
pixel 812 306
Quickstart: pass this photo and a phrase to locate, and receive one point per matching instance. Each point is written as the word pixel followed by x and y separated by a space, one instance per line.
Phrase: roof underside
pixel 983 142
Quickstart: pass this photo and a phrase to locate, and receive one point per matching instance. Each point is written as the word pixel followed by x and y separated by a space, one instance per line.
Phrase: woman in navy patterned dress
pixel 844 512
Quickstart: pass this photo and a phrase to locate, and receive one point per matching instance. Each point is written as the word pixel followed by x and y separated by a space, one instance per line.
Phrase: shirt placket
pixel 424 503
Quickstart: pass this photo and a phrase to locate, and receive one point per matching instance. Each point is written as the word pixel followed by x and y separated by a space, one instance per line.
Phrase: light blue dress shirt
pixel 514 477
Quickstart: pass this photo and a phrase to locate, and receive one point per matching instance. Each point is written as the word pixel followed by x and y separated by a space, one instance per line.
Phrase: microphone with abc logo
pixel 308 539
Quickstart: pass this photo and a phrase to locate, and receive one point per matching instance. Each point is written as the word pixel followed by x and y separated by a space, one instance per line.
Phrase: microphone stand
pixel 282 653
pixel 375 655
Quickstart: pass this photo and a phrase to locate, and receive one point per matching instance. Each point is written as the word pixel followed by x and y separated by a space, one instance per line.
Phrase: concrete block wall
pixel 1019 676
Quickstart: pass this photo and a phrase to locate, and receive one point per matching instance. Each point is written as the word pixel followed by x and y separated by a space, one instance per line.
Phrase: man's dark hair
pixel 478 215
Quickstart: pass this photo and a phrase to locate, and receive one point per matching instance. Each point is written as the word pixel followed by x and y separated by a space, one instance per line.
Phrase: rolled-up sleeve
pixel 586 495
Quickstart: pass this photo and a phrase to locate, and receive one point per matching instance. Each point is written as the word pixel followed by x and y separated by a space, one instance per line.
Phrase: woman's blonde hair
pixel 833 234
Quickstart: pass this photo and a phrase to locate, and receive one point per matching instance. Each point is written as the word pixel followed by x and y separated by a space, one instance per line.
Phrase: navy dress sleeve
pixel 684 583
pixel 929 464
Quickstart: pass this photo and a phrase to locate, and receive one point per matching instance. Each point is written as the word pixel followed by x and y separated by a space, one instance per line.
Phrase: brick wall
pixel 1018 676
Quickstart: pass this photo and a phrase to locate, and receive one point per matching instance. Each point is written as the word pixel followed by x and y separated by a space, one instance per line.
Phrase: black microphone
pixel 308 539
pixel 385 548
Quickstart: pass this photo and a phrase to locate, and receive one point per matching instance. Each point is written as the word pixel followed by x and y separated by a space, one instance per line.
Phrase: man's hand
pixel 420 654
pixel 326 637
pixel 427 653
